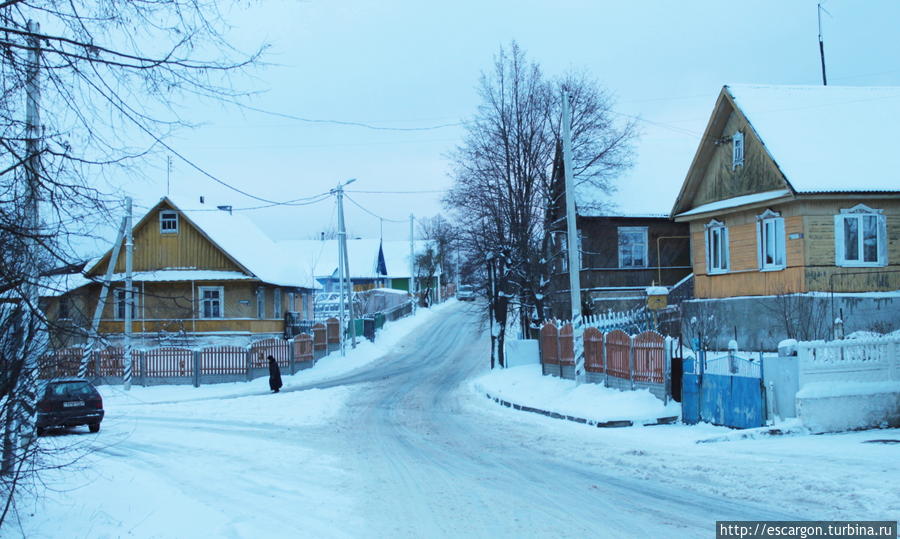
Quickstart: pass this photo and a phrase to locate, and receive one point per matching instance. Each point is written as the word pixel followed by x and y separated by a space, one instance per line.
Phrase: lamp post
pixel 344 266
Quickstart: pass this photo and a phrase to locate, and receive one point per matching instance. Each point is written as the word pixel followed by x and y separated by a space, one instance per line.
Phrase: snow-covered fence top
pixel 615 319
pixel 851 360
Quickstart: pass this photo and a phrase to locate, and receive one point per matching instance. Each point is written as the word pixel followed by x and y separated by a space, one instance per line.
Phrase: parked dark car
pixel 68 402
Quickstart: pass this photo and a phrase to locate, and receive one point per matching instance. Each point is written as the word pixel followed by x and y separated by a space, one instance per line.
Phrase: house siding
pixel 810 255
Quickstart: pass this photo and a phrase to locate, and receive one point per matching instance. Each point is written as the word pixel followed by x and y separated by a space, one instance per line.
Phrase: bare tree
pixel 503 176
pixel 109 75
pixel 443 236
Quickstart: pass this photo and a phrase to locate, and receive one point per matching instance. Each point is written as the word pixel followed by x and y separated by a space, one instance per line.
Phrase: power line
pixel 355 203
pixel 342 122
pixel 410 192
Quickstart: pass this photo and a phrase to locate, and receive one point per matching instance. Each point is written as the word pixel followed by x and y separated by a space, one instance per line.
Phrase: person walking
pixel 274 375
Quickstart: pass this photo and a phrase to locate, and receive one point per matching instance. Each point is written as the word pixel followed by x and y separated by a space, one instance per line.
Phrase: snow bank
pixel 526 386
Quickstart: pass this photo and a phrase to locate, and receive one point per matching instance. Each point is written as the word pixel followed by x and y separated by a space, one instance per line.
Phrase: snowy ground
pixel 396 441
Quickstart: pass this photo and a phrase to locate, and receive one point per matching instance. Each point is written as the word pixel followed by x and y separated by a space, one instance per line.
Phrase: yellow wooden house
pixel 197 271
pixel 795 189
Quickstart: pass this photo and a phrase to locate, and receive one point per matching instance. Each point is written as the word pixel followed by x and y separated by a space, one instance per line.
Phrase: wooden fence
pixel 614 358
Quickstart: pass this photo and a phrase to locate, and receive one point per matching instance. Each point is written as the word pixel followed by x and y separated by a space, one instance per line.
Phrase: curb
pixel 600 424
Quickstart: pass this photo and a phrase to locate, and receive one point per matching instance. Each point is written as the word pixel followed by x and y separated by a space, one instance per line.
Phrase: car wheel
pixel 94 427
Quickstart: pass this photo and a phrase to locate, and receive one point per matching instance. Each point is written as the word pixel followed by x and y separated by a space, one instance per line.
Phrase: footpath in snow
pixel 326 368
pixel 525 387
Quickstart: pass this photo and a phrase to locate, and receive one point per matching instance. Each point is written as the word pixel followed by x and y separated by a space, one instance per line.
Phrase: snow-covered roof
pixel 170 275
pixel 57 285
pixel 827 138
pixel 321 257
pixel 243 241
pixel 735 202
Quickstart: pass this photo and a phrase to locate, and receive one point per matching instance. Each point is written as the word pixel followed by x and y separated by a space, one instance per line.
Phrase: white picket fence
pixel 614 319
pixel 851 360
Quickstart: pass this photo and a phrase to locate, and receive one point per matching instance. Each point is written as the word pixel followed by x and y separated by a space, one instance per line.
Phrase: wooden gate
pixel 618 345
pixel 649 357
pixel 593 350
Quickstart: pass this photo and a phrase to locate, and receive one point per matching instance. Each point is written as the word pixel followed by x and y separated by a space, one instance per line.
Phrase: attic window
pixel 168 222
pixel 737 150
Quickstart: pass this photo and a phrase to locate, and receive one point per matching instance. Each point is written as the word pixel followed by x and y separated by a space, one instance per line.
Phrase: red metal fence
pixel 641 358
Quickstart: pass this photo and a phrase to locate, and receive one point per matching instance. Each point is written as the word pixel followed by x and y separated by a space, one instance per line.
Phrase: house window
pixel 716 247
pixel 168 222
pixel 860 237
pixel 260 303
pixel 770 239
pixel 561 240
pixel 292 305
pixel 277 302
pixel 120 304
pixel 737 150
pixel 632 246
pixel 212 302
pixel 65 308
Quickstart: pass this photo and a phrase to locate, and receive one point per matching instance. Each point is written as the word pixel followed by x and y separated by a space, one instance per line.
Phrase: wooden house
pixel 621 255
pixel 197 270
pixel 793 190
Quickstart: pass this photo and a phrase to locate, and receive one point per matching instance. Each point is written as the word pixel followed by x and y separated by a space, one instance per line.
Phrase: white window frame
pixel 276 304
pixel 644 255
pixel 562 239
pixel 737 150
pixel 119 304
pixel 717 234
pixel 261 303
pixel 168 216
pixel 201 301
pixel 770 234
pixel 860 214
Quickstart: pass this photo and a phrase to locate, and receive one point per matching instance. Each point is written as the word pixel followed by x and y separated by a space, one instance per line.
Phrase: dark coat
pixel 274 375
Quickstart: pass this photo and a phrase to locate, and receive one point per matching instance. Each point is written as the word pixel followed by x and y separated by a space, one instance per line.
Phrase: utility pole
pixel 412 263
pixel 572 237
pixel 101 300
pixel 129 293
pixel 19 425
pixel 344 268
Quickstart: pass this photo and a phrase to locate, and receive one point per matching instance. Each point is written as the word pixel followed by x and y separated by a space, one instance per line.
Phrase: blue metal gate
pixel 733 400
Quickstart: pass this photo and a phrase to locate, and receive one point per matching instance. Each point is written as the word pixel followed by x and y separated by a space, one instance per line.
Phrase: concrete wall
pixel 761 322
pixel 850 412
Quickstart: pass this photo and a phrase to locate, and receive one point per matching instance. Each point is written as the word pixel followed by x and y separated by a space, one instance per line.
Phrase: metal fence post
pixel 631 360
pixel 196 358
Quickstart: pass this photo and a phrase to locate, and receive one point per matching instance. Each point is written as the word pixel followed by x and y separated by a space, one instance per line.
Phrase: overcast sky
pixel 410 64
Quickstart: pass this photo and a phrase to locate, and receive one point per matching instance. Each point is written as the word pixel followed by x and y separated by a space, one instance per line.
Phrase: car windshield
pixel 70 389
pixel 465 288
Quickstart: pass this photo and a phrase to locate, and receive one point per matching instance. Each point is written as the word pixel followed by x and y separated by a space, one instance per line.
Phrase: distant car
pixel 69 402
pixel 465 293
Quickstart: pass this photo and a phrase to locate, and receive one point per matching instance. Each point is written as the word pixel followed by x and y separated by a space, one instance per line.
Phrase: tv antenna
pixel 819 11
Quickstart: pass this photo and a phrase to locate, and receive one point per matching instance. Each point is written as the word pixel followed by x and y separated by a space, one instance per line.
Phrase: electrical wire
pixel 357 204
pixel 342 122
pixel 411 192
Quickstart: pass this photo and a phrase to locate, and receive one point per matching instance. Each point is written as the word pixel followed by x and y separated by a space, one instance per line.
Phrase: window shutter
pixel 726 254
pixel 882 241
pixel 780 243
pixel 760 243
pixel 838 240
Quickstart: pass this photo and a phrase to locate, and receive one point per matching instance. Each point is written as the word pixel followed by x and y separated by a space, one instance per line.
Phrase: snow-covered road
pixel 404 448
